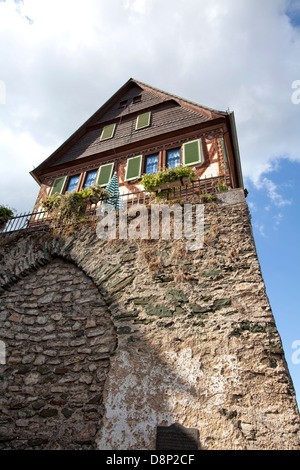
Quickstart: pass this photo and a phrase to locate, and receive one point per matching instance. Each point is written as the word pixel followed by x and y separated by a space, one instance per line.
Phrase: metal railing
pixel 41 220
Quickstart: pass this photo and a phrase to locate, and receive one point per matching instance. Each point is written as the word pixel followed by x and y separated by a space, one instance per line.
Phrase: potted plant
pixel 5 215
pixel 168 179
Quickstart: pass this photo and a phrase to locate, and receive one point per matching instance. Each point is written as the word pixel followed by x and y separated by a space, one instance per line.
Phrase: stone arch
pixel 59 337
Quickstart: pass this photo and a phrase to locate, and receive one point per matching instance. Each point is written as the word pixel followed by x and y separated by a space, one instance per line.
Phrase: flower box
pixel 183 181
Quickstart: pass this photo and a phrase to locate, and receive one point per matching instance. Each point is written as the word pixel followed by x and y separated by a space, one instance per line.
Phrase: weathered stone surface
pixel 197 343
pixel 44 357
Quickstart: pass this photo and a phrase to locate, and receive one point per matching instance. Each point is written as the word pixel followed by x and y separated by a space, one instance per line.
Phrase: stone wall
pixel 59 337
pixel 196 342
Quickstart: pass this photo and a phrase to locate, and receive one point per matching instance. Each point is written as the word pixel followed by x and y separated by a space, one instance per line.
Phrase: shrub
pixel 152 181
pixel 72 206
pixel 5 215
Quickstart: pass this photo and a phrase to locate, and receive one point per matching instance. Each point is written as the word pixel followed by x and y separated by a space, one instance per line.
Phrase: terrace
pixel 200 190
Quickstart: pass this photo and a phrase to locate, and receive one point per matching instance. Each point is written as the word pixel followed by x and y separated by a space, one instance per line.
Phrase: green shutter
pixel 133 168
pixel 192 153
pixel 105 174
pixel 108 132
pixel 143 120
pixel 58 185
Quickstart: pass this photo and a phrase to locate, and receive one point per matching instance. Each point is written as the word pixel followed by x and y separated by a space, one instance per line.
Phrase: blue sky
pixel 56 70
pixel 276 227
pixel 293 12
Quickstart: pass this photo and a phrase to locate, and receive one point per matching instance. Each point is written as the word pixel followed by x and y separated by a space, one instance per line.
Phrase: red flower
pixel 47 202
pixel 85 202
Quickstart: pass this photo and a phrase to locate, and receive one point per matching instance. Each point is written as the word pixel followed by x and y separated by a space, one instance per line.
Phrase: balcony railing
pixel 191 192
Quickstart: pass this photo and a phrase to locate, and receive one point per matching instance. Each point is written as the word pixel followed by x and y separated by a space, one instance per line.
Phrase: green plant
pixel 207 197
pixel 152 181
pixel 70 207
pixel 5 215
pixel 221 187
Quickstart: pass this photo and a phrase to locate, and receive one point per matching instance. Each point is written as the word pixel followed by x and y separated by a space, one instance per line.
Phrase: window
pixel 108 132
pixel 58 185
pixel 137 99
pixel 151 164
pixel 123 104
pixel 173 158
pixel 90 178
pixel 73 183
pixel 105 174
pixel 143 120
pixel 133 168
pixel 192 153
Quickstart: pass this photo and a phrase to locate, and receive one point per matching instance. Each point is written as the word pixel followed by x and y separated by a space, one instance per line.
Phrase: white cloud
pixel 260 228
pixel 63 64
pixel 278 219
pixel 273 192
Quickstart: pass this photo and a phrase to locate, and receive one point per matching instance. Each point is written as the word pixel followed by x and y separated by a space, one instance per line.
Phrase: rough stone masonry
pixel 106 340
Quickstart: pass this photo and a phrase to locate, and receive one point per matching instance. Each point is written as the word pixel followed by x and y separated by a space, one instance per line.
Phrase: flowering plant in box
pixel 165 178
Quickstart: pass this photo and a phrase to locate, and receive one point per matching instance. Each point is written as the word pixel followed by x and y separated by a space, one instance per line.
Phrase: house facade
pixel 142 344
pixel 139 130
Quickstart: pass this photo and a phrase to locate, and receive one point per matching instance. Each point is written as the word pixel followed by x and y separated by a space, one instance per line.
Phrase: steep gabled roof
pixel 78 145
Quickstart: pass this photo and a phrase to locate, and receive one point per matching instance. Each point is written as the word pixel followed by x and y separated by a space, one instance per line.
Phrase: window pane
pixel 73 183
pixel 173 158
pixel 151 164
pixel 90 178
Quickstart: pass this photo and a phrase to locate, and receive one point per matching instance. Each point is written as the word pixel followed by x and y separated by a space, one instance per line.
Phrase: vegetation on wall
pixel 152 182
pixel 5 215
pixel 72 206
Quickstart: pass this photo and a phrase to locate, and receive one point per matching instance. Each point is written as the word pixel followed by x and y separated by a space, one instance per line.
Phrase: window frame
pixel 137 99
pixel 139 117
pixel 200 153
pixel 123 103
pixel 64 179
pixel 140 168
pixel 145 162
pixel 102 138
pixel 99 173
pixel 68 181
pixel 86 174
pixel 180 156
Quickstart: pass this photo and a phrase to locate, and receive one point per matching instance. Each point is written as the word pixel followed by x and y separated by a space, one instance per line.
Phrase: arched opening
pixel 59 337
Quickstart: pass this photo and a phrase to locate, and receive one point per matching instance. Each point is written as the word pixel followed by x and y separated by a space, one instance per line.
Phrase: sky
pixel 60 60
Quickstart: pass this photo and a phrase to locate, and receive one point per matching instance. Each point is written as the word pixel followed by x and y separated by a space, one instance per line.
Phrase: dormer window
pixel 108 132
pixel 123 104
pixel 137 99
pixel 143 120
